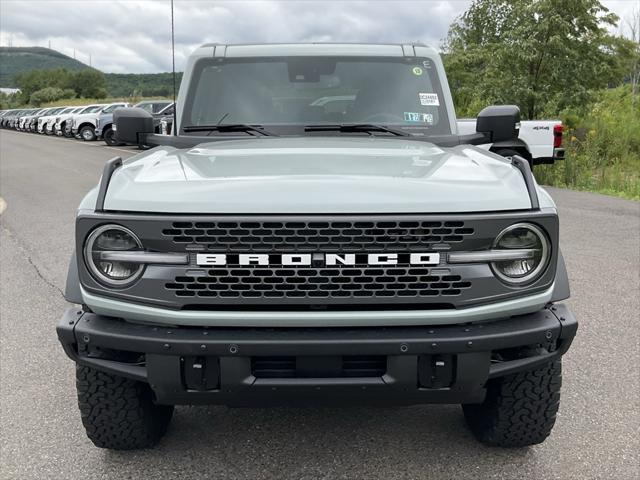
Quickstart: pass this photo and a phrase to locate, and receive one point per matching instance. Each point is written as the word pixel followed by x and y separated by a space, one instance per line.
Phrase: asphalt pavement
pixel 42 180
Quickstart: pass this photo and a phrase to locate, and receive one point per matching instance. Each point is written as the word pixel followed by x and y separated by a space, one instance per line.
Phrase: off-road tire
pixel 119 413
pixel 109 137
pixel 90 137
pixel 519 410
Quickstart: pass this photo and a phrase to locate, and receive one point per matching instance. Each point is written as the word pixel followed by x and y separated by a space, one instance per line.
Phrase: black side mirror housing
pixel 132 125
pixel 499 122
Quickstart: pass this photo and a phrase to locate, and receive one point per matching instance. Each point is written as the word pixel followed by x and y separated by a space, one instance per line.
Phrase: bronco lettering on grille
pixel 317 259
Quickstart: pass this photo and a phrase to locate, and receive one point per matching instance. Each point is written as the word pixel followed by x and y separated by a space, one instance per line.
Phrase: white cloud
pixel 134 35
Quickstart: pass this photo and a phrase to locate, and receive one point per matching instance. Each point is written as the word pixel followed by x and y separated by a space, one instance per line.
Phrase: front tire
pixel 109 137
pixel 87 133
pixel 65 133
pixel 119 413
pixel 519 410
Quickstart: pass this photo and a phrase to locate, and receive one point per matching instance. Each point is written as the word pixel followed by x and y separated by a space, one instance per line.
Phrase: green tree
pixel 543 55
pixel 88 84
pixel 47 94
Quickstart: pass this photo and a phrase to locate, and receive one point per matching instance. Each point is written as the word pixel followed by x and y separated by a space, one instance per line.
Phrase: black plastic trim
pixel 72 293
pixel 561 290
pixel 109 168
pixel 552 328
pixel 523 165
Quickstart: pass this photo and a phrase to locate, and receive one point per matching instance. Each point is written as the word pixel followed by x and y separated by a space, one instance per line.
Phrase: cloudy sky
pixel 134 35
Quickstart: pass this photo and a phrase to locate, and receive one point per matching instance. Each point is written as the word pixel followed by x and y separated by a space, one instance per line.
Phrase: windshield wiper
pixel 355 127
pixel 230 127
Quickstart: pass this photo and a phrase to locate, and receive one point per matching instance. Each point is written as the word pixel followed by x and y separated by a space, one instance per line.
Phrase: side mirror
pixel 499 122
pixel 131 125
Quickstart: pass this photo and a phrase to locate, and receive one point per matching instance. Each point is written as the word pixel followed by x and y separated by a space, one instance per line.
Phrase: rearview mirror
pixel 499 122
pixel 131 125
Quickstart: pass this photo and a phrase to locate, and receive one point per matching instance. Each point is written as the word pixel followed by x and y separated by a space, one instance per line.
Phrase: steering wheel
pixel 383 117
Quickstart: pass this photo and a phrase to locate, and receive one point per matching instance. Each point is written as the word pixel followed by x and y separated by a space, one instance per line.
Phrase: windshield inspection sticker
pixel 416 70
pixel 429 99
pixel 417 117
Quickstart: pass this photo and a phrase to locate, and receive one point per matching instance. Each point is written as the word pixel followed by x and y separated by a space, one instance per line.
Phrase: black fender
pixel 104 128
pixel 513 144
pixel 72 292
pixel 561 289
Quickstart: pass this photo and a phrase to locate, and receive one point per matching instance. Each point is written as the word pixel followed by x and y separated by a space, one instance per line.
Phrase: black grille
pixel 313 236
pixel 311 282
pixel 319 367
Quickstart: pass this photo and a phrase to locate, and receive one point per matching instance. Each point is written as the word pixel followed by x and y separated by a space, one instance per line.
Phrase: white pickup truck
pixel 539 141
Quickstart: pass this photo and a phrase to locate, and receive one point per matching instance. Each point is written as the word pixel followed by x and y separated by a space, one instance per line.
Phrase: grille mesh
pixel 325 236
pixel 278 282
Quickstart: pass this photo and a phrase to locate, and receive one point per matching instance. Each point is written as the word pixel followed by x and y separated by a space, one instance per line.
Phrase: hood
pixel 317 175
pixel 82 116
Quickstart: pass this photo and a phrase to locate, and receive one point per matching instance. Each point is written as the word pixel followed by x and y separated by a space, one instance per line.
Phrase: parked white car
pixel 49 121
pixel 84 124
pixel 63 122
pixel 25 120
pixel 539 141
pixel 43 119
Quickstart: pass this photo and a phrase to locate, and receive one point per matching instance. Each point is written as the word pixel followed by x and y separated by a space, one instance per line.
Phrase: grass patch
pixel 602 147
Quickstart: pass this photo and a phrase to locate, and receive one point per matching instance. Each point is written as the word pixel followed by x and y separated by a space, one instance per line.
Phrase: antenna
pixel 173 69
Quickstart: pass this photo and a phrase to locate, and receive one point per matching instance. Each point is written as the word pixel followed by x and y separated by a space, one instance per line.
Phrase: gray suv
pixel 316 231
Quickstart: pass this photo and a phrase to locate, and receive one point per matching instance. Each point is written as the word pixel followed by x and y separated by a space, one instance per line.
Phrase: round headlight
pixel 522 236
pixel 107 239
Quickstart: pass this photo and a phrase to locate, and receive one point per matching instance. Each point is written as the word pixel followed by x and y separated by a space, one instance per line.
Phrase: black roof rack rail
pixel 107 172
pixel 525 168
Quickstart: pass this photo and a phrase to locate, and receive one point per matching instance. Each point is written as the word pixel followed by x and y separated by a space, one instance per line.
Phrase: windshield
pixel 111 108
pixel 152 107
pixel 92 109
pixel 397 91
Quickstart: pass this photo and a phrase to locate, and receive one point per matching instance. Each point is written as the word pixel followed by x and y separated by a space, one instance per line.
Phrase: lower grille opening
pixel 281 307
pixel 348 366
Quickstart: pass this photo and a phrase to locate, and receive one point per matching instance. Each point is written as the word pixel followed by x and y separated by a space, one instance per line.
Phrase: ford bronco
pixel 316 231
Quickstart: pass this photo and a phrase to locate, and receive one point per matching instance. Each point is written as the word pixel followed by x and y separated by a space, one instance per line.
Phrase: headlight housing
pixel 112 238
pixel 526 237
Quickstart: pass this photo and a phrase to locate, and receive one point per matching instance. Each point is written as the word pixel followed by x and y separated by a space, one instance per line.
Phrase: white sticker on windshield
pixel 429 99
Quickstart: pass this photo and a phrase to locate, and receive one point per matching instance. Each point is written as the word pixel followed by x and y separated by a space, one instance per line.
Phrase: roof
pixel 315 49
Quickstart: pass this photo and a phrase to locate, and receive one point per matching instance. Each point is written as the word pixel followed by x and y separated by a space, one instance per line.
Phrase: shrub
pixel 603 147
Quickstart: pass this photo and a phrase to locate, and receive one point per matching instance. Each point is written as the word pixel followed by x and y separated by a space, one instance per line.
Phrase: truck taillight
pixel 557 135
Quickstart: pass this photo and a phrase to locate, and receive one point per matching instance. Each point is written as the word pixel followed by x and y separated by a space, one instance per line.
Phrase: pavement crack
pixel 21 246
pixel 43 278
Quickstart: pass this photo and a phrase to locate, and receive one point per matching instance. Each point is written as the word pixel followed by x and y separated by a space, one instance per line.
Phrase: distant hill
pixel 141 84
pixel 15 60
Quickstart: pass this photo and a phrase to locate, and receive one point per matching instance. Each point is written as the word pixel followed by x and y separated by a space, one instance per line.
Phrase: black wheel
pixel 87 133
pixel 65 133
pixel 119 413
pixel 519 409
pixel 110 137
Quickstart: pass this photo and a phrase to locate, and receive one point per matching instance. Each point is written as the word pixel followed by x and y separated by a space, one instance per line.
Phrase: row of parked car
pixel 88 122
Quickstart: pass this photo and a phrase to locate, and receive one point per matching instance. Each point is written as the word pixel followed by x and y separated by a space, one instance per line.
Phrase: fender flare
pixel 561 290
pixel 72 292
pixel 515 143
pixel 86 124
pixel 106 127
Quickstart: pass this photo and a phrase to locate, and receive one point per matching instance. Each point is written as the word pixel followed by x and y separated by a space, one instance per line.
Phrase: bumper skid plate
pixel 260 366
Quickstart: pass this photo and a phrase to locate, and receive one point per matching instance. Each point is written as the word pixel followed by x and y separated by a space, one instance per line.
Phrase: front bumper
pixel 265 366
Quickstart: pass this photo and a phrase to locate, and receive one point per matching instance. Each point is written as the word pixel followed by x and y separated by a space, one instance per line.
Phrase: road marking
pixel 3 205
